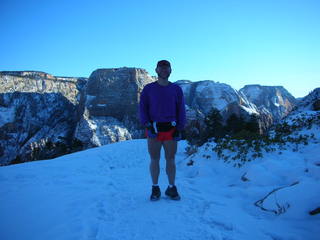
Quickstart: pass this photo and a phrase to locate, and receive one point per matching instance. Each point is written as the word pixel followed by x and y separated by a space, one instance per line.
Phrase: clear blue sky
pixel 273 42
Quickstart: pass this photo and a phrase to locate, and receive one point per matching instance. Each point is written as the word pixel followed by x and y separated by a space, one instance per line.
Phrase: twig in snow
pixel 281 209
pixel 315 211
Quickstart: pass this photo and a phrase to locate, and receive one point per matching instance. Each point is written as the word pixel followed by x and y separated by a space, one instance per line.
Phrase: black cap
pixel 163 63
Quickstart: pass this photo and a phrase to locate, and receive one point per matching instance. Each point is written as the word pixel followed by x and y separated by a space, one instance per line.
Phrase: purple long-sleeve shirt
pixel 162 104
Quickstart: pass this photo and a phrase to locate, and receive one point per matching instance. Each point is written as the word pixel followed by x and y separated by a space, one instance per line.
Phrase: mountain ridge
pixel 106 105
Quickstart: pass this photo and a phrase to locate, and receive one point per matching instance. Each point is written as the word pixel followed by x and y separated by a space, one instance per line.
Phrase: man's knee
pixel 170 154
pixel 170 148
pixel 155 161
pixel 154 156
pixel 154 149
pixel 170 161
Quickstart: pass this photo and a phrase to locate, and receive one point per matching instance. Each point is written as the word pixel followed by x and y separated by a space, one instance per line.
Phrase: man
pixel 162 112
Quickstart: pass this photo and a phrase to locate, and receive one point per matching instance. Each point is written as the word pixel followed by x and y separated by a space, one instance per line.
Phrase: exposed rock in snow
pixel 274 99
pixel 310 102
pixel 202 96
pixel 111 107
pixel 38 109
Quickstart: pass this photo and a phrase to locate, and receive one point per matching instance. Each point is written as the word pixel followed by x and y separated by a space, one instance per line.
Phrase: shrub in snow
pixel 316 105
pixel 245 146
pixel 48 149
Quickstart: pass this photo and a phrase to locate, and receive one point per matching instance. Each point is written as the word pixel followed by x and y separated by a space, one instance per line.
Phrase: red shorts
pixel 164 136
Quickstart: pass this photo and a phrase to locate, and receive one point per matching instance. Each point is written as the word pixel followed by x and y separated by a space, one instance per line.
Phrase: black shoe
pixel 156 193
pixel 172 193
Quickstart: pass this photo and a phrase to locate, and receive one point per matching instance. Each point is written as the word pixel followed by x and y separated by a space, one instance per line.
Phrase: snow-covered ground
pixel 103 193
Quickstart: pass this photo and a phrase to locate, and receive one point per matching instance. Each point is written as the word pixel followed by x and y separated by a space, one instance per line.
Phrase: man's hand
pixel 150 130
pixel 177 135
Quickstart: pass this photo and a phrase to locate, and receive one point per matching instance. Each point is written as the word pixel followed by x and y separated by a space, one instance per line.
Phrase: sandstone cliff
pixel 43 116
pixel 111 106
pixel 273 99
pixel 37 110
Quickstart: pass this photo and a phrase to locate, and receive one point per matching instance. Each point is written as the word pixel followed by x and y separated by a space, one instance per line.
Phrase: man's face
pixel 163 71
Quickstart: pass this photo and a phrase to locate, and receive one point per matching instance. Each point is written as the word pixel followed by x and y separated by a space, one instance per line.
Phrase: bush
pixel 235 126
pixel 245 146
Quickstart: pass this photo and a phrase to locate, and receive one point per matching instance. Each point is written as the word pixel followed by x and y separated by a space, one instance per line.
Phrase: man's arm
pixel 144 108
pixel 181 110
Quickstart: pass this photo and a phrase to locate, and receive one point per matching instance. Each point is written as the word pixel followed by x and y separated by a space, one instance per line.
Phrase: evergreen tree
pixel 214 126
pixel 253 124
pixel 234 124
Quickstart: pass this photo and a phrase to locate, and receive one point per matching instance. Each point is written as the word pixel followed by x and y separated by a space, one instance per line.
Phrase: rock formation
pixel 111 106
pixel 43 116
pixel 37 110
pixel 273 99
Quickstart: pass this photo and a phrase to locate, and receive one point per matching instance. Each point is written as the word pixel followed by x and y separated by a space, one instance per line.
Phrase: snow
pixel 253 92
pixel 103 193
pixel 101 105
pixel 219 104
pixel 251 110
pixel 220 94
pixel 89 99
pixel 276 104
pixel 107 130
pixel 207 94
pixel 185 86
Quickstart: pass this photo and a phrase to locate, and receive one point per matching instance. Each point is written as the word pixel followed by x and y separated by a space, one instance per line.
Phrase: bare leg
pixel 170 148
pixel 154 148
